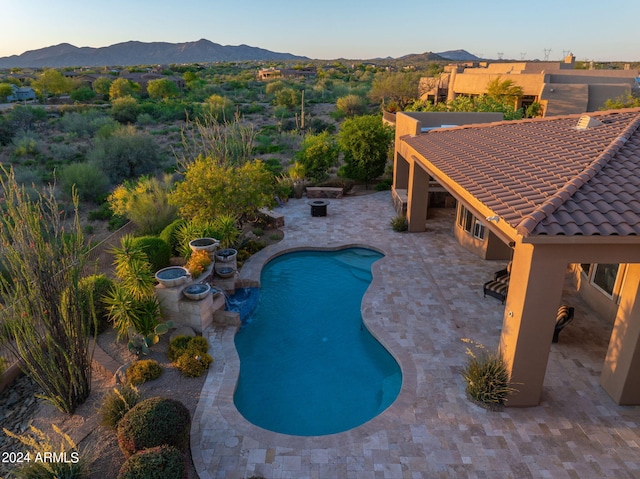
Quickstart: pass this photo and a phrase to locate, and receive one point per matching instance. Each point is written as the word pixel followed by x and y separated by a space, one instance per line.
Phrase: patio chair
pixel 564 317
pixel 499 285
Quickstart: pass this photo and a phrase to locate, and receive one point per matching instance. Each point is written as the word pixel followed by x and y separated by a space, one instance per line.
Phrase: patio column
pixel 535 292
pixel 400 172
pixel 417 197
pixel 621 370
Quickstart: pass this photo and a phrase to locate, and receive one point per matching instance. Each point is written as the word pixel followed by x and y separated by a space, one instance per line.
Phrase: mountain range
pixel 160 53
pixel 139 53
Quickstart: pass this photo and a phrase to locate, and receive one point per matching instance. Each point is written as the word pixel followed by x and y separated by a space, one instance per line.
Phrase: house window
pixel 470 223
pixel 604 277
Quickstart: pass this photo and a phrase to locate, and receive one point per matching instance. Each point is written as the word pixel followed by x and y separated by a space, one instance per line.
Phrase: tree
pixel 52 82
pixel 505 91
pixel 162 88
pixel 5 91
pixel 287 97
pixel 125 154
pixel 629 101
pixel 146 203
pixel 317 154
pixel 122 87
pixel 125 109
pixel 83 93
pixel 102 85
pixel 398 87
pixel 211 189
pixel 43 256
pixel 365 141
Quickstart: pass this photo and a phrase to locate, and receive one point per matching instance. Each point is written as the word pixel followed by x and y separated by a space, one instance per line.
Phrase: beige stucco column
pixel 535 292
pixel 400 172
pixel 417 197
pixel 621 370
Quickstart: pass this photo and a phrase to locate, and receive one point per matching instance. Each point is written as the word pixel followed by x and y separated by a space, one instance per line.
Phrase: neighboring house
pixel 557 86
pixel 24 93
pixel 271 73
pixel 553 195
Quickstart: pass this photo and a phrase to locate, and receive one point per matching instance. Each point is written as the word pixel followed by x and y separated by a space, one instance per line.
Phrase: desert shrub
pixel 486 376
pixel 258 231
pixel 169 234
pixel 125 109
pixel 157 250
pixel 125 154
pixel 399 223
pixel 154 422
pixel 145 202
pixel 88 179
pixel 177 347
pixel 186 344
pixel 345 183
pixel 145 119
pixel 162 462
pixel 384 185
pixel 117 403
pixel 193 365
pixel 25 143
pixel 189 354
pixel 84 93
pixel 143 371
pixel 91 291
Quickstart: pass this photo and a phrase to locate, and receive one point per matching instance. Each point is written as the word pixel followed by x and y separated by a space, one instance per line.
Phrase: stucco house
pixel 555 196
pixel 557 86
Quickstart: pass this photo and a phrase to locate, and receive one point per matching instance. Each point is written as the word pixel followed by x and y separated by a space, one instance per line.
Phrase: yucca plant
pixel 226 230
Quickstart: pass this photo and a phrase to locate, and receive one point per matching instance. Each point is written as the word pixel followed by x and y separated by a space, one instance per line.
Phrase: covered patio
pixel 558 191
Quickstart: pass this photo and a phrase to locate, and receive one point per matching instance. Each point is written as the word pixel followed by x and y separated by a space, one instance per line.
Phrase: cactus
pixel 139 344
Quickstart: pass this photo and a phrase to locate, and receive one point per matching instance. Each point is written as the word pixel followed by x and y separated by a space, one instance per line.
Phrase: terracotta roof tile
pixel 544 176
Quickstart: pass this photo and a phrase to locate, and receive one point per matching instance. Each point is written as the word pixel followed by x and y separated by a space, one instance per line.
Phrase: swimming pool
pixel 308 365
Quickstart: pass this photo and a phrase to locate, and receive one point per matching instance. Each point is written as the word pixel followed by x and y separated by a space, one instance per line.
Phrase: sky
pixel 330 29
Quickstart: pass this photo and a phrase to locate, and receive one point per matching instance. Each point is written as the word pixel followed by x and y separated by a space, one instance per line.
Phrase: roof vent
pixel 585 122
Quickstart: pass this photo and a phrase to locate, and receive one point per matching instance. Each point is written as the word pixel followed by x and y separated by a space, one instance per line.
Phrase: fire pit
pixel 318 207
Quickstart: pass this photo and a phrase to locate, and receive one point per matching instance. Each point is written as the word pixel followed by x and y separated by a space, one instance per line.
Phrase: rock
pixel 182 331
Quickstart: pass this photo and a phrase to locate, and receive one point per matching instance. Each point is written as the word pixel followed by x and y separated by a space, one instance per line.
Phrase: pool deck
pixel 425 297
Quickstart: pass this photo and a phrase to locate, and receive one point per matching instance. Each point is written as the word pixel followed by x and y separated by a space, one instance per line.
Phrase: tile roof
pixel 545 176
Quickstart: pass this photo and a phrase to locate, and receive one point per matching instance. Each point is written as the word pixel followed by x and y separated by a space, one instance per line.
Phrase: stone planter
pixel 225 271
pixel 204 244
pixel 172 276
pixel 196 292
pixel 226 255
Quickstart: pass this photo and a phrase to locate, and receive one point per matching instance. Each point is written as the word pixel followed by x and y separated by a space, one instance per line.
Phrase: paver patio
pixel 425 296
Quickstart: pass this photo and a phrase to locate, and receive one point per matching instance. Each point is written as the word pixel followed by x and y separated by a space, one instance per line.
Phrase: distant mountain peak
pixel 459 55
pixel 139 53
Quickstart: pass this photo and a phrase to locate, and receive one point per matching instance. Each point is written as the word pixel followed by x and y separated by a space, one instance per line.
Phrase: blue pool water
pixel 308 365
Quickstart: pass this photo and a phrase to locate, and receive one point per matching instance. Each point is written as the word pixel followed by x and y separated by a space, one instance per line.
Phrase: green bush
pixel 154 422
pixel 162 462
pixel 89 180
pixel 143 371
pixel 400 223
pixel 384 185
pixel 193 365
pixel 486 376
pixel 116 404
pixel 125 154
pixel 92 289
pixel 169 234
pixel 157 250
pixel 182 344
pixel 189 354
